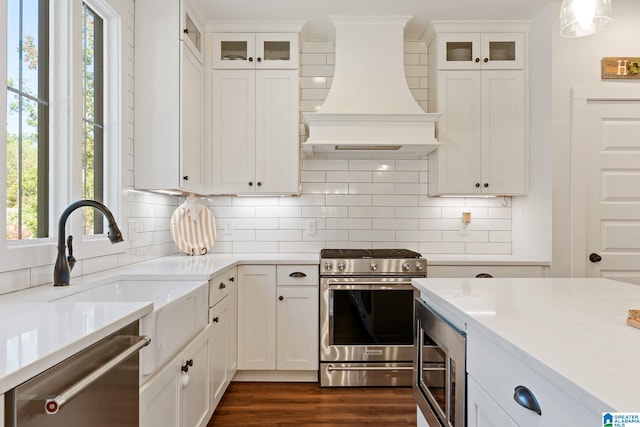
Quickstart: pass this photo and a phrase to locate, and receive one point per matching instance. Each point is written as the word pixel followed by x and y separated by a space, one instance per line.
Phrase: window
pixel 27 137
pixel 93 116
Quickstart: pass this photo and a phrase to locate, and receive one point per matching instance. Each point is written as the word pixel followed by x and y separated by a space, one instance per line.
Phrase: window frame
pixel 65 159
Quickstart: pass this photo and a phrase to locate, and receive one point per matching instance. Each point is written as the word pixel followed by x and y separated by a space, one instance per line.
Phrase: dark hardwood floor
pixel 307 404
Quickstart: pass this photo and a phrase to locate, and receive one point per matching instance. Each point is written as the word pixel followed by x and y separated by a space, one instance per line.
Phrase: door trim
pixel 580 98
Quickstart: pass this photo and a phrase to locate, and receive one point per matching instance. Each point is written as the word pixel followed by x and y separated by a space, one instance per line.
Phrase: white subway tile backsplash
pixel 325 188
pixel 349 200
pixel 372 165
pixel 313 83
pixel 419 212
pixel 313 176
pixel 313 58
pixel 319 70
pixel 349 176
pixel 391 200
pixel 419 236
pixel 500 236
pixel 395 224
pixel 315 94
pixel 324 211
pixel 325 164
pixel 349 224
pixel 317 46
pixel 488 248
pixel 16 280
pixel 255 247
pixel 385 176
pixel 372 235
pixel 427 248
pixel 468 236
pixel 278 211
pixel 373 188
pixel 371 212
pixel 278 235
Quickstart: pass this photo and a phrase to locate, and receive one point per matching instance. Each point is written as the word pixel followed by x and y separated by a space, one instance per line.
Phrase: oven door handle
pixel 333 284
pixel 369 368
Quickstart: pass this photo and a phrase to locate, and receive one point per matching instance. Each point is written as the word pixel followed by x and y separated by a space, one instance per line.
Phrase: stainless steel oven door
pixel 439 369
pixel 366 319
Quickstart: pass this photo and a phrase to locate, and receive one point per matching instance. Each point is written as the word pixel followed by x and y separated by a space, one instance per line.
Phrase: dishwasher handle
pixel 53 405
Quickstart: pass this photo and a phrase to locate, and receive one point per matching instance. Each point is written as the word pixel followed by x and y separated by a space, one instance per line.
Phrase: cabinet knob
pixel 594 257
pixel 232 279
pixel 259 59
pixel 186 31
pixel 525 398
pixel 186 177
pixel 216 319
pixel 477 59
pixel 486 185
pixel 187 364
pixel 250 59
pixel 259 184
pixel 477 185
pixel 281 298
pixel 486 59
pixel 250 183
pixel 222 285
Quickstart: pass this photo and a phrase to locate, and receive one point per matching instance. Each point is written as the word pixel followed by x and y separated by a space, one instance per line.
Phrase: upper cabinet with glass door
pixel 190 32
pixel 471 51
pixel 255 50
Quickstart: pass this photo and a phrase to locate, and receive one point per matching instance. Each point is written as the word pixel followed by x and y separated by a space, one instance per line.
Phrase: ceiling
pixel 316 12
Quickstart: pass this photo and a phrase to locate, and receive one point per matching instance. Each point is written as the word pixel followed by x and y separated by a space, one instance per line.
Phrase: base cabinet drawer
pixel 482 410
pixel 469 271
pixel 498 373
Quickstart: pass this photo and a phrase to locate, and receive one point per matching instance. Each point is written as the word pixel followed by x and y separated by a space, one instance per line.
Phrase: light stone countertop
pixel 572 331
pixel 37 332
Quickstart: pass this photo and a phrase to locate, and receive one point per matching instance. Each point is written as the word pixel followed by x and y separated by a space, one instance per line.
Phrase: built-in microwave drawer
pixel 298 275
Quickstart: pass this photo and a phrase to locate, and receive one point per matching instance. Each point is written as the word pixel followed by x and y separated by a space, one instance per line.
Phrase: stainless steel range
pixel 366 316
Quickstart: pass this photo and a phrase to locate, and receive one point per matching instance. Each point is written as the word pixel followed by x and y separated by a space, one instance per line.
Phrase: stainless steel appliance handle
pixel 51 406
pixel 369 368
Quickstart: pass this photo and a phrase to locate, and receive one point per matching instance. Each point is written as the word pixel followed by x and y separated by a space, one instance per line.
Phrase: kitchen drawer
pixel 499 372
pixel 298 275
pixel 493 270
pixel 221 285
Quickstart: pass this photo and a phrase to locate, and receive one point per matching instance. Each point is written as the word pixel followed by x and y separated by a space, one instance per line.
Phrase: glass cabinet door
pixel 469 51
pixel 234 50
pixel 503 51
pixel 275 50
pixel 190 32
pixel 459 51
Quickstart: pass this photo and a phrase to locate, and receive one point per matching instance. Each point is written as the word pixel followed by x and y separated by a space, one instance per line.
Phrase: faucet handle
pixel 70 258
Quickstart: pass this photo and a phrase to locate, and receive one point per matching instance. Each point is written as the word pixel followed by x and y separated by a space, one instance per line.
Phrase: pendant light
pixel 579 18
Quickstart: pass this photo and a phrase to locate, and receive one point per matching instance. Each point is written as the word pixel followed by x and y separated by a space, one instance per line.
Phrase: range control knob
pixel 405 266
pixel 373 266
pixel 328 266
pixel 341 266
pixel 419 266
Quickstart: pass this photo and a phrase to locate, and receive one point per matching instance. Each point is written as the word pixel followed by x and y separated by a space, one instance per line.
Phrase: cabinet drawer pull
pixel 222 285
pixel 525 398
pixel 483 276
pixel 297 274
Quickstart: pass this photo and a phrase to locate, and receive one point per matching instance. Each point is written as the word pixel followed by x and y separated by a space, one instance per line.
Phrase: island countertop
pixel 572 330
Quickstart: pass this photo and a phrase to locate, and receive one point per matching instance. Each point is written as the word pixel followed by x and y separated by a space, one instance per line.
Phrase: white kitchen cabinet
pixel 487 51
pixel 483 126
pixel 222 343
pixel 482 410
pixel 498 371
pixel 490 270
pixel 256 50
pixel 178 394
pixel 256 317
pixel 169 73
pixel 278 321
pixel 255 132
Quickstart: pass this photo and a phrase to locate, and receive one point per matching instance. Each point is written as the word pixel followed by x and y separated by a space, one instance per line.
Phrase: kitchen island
pixel 567 336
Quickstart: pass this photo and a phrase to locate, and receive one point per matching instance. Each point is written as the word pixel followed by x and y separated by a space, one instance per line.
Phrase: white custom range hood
pixel 369 107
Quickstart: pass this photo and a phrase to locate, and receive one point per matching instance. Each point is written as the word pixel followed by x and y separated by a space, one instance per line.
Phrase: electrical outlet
pixel 311 227
pixel 228 226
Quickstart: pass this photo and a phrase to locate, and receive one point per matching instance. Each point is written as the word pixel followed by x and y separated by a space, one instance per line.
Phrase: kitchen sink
pixel 179 313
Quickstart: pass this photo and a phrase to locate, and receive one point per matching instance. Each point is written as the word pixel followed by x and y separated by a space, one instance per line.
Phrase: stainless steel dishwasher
pixel 95 387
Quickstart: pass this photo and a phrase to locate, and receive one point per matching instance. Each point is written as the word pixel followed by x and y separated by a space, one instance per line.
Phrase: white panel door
pixel 504 118
pixel 256 317
pixel 191 123
pixel 613 190
pixel 459 167
pixel 297 331
pixel 277 135
pixel 233 131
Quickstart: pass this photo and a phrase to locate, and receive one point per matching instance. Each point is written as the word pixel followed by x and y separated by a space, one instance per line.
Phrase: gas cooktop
pixel 369 253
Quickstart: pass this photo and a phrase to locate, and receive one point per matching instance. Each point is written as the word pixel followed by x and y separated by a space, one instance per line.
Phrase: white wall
pixel 532 214
pixel 361 203
pixel 577 62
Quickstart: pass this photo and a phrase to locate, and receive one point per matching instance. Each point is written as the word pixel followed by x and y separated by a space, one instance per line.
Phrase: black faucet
pixel 64 264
